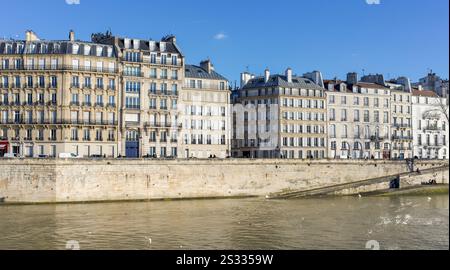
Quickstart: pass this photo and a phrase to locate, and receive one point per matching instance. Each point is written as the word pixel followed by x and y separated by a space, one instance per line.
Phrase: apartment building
pixel 401 111
pixel 206 118
pixel 58 96
pixel 280 116
pixel 430 125
pixel 358 119
pixel 152 75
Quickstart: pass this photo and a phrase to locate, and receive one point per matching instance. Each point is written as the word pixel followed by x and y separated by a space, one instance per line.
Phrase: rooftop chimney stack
pixel 266 75
pixel 30 36
pixel 289 75
pixel 245 78
pixel 352 78
pixel 72 35
pixel 207 65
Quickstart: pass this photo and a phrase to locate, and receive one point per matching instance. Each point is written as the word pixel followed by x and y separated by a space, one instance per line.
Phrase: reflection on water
pixel 332 223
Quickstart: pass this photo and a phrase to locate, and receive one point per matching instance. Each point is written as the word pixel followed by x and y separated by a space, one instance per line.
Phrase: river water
pixel 331 223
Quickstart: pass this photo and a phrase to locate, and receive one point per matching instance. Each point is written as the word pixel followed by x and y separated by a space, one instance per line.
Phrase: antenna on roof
pixel 247 68
pixel 364 71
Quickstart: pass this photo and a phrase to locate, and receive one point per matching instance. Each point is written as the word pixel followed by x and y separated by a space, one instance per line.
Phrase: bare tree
pixel 443 105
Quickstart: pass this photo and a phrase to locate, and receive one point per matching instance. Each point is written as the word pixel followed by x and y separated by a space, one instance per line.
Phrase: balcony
pixel 133 107
pixel 62 68
pixel 75 103
pixel 99 104
pixel 160 124
pixel 401 138
pixel 401 125
pixel 432 128
pixel 401 148
pixel 133 74
pixel 87 104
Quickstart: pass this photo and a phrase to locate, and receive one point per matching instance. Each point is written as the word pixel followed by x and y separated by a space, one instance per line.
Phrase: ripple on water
pixel 336 223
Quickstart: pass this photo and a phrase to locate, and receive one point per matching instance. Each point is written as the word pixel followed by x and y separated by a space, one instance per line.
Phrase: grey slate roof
pixel 52 47
pixel 192 71
pixel 281 81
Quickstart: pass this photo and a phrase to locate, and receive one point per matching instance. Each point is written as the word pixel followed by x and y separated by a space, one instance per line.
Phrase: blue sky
pixel 394 37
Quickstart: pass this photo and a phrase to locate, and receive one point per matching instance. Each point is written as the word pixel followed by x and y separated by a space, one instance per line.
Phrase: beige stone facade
pixel 279 116
pixel 151 81
pixel 206 117
pixel 58 96
pixel 359 120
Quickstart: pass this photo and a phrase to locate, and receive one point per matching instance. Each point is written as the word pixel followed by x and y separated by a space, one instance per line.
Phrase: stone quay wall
pixel 73 180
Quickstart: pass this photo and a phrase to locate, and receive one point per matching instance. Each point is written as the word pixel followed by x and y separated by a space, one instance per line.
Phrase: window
pixel 344 115
pixel 53 81
pixel 99 83
pixel 174 74
pixel 87 82
pixel 164 74
pixel 356 115
pixel 153 73
pixel 366 116
pixel 174 60
pixel 99 100
pixel 376 115
pixel 112 84
pixel 332 114
pixel 174 89
pixel 87 99
pixel 74 99
pixel 174 104
pixel 132 87
pixel 333 131
pixel 29 81
pixel 366 101
pixel 132 102
pixel 75 81
pixel 331 99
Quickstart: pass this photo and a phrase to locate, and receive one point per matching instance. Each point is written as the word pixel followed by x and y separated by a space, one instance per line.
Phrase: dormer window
pixel 33 48
pixel 8 49
pixel 75 48
pixel 19 48
pixel 44 48
pixel 87 50
pixel 127 43
pixel 99 51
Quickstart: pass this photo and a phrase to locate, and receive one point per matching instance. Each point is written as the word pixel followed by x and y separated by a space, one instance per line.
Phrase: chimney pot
pixel 72 35
pixel 289 75
pixel 266 75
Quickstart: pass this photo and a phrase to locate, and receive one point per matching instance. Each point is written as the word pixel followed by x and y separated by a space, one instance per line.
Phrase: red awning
pixel 3 146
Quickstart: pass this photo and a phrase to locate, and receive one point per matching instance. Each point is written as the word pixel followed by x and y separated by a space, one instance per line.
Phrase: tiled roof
pixel 424 93
pixel 192 71
pixel 371 85
pixel 281 81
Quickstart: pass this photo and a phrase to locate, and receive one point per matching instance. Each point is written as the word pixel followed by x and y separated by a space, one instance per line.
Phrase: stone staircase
pixel 323 191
